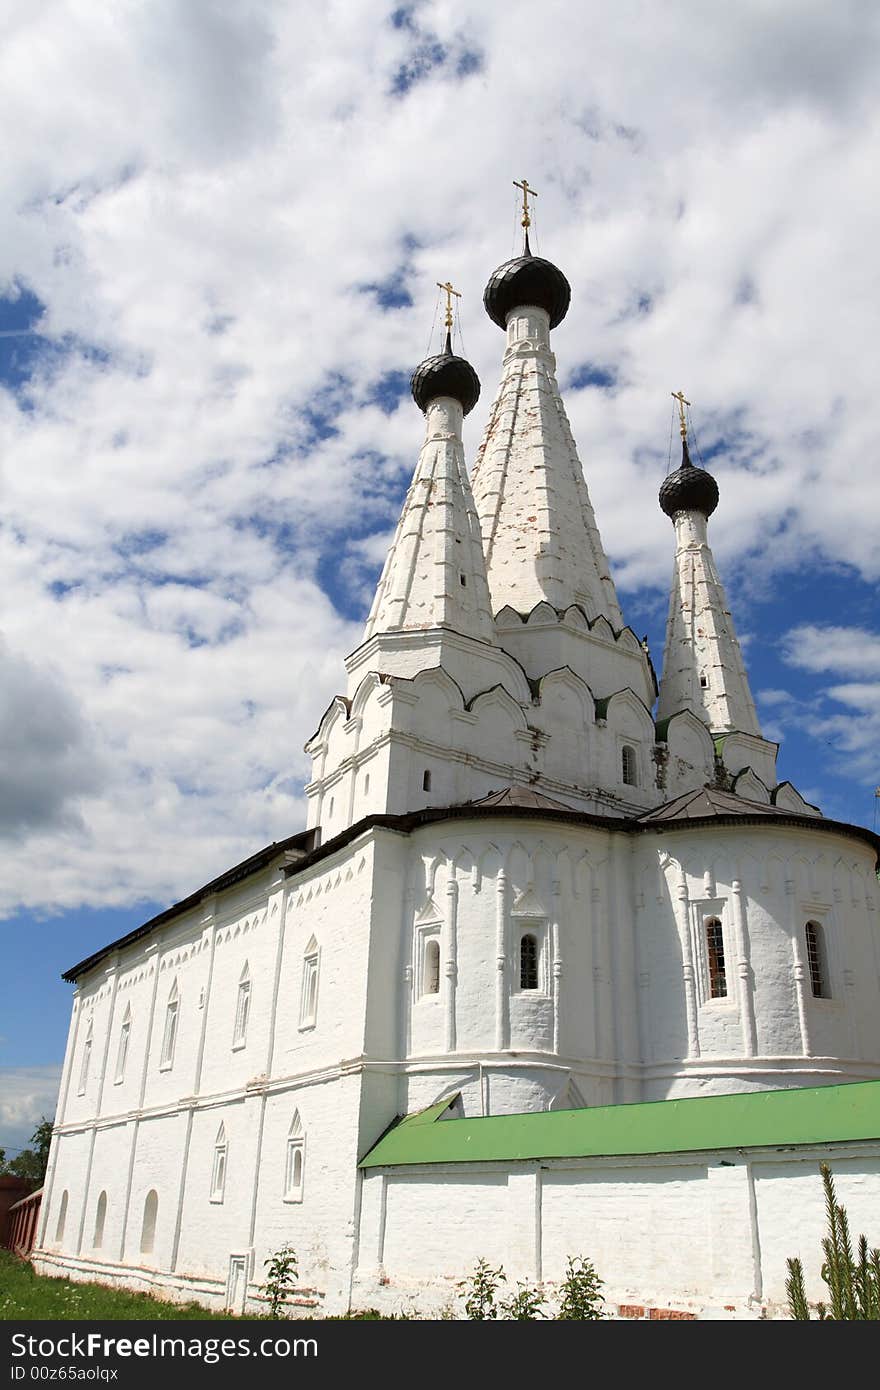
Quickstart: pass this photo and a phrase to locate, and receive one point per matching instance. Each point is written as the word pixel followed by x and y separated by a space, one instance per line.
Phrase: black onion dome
pixel 688 489
pixel 527 280
pixel 445 375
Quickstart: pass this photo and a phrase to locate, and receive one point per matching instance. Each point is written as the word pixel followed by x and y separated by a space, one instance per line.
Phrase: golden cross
pixel 449 293
pixel 679 396
pixel 526 190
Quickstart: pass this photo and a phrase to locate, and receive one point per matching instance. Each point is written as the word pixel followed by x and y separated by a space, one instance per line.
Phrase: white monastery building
pixel 558 967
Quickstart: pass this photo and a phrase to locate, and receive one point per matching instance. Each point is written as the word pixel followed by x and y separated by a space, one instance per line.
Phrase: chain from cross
pixel 449 291
pixel 527 191
pixel 679 396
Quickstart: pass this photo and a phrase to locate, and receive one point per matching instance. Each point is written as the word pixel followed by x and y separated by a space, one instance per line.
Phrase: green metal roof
pixel 756 1119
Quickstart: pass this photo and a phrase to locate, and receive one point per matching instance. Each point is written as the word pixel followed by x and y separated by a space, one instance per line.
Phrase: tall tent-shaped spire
pixel 703 667
pixel 435 573
pixel 539 530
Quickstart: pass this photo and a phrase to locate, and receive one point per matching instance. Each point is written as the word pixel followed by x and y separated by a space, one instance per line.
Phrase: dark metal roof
pixel 706 803
pixel 445 375
pixel 688 489
pixel 527 280
pixel 519 796
pixel 299 844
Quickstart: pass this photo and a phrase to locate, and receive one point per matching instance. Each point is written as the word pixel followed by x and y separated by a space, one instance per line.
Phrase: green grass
pixel 25 1295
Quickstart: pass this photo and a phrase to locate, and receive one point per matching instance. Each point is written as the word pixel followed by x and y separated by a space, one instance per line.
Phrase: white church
pixel 558 967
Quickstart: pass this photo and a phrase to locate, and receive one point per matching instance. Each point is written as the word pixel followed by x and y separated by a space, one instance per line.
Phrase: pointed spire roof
pixel 703 667
pixel 435 574
pixel 539 529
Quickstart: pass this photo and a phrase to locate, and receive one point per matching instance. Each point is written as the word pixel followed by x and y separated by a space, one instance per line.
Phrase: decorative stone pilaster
pixel 743 970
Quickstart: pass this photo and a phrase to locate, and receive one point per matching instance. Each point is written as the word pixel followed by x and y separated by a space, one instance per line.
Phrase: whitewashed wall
pixel 707 1233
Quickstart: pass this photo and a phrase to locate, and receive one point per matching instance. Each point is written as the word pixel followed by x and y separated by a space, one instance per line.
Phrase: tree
pixel 31 1163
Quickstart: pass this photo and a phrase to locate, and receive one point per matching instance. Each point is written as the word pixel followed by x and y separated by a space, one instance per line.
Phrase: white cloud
pixel 853 734
pixel 814 647
pixel 200 200
pixel 27 1094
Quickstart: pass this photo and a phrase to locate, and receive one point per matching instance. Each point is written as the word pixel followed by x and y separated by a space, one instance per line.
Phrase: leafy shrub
pixel 580 1295
pixel 479 1290
pixel 280 1279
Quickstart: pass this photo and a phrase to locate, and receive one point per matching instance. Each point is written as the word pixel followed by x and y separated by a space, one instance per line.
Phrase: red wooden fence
pixel 23 1218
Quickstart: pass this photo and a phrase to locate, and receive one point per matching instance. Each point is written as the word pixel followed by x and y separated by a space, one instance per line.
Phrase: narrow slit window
pixel 308 1007
pixel 715 954
pixel 294 1167
pixel 122 1050
pixel 218 1172
pixel 816 961
pixel 431 975
pixel 628 765
pixel 704 682
pixel 366 783
pixel 86 1059
pixel 242 1008
pixel 426 781
pixel 169 1037
pixel 462 578
pixel 528 962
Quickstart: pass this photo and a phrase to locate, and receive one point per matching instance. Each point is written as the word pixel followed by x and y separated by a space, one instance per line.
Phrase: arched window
pixel 218 1173
pixel 169 1037
pixel 62 1217
pixel 148 1228
pixel 431 971
pixel 242 1008
pixel 86 1058
pixel 528 962
pixel 308 1005
pixel 100 1217
pixel 122 1050
pixel 715 957
pixel 628 765
pixel 294 1167
pixel 426 780
pixel 816 960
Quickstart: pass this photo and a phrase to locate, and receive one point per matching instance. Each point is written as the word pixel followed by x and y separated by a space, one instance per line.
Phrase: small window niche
pixel 218 1171
pixel 85 1061
pixel 308 1004
pixel 426 780
pixel 100 1219
pixel 530 944
pixel 169 1036
pixel 715 963
pixel 122 1050
pixel 295 1161
pixel 528 961
pixel 242 1008
pixel 817 960
pixel 629 766
pixel 148 1225
pixel 62 1218
pixel 430 964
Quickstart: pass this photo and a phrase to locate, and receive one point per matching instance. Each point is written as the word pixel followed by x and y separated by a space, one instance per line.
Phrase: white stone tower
pixel 703 667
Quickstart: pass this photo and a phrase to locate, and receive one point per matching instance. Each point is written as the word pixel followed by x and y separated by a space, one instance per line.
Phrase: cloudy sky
pixel 221 225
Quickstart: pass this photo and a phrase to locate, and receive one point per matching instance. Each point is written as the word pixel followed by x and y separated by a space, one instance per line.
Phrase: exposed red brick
pixel 631 1310
pixel 671 1314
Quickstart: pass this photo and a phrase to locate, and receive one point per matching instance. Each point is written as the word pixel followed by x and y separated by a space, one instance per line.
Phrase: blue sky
pixel 222 228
